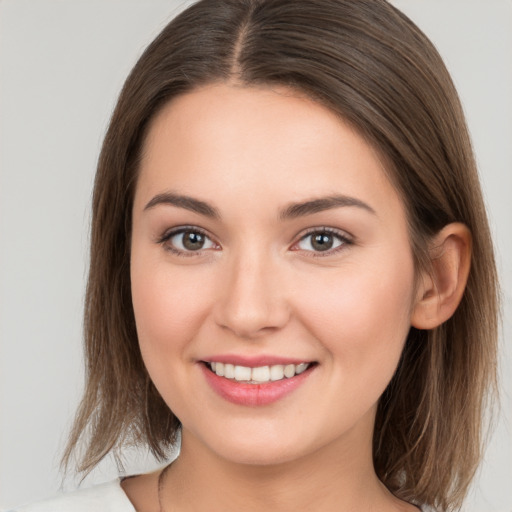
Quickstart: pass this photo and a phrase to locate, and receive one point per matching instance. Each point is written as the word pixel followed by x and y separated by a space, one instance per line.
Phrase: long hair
pixel 372 66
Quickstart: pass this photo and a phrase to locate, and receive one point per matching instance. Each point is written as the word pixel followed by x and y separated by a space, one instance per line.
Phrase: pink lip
pixel 253 394
pixel 254 361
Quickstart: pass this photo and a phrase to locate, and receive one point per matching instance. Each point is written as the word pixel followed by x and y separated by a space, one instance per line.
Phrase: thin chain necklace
pixel 161 486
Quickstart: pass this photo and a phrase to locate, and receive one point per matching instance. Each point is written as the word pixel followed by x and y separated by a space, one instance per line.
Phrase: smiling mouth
pixel 257 375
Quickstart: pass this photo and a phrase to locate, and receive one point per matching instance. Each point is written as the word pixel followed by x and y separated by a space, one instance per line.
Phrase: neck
pixel 336 477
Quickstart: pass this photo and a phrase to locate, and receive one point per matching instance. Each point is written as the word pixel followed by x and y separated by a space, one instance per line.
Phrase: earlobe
pixel 440 293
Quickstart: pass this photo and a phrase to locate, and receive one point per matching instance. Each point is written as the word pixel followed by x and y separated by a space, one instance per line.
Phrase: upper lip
pixel 254 361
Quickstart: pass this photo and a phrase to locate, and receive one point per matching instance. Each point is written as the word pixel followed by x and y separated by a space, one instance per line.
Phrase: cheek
pixel 169 307
pixel 362 316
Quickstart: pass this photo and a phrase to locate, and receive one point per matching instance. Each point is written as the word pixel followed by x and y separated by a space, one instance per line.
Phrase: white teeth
pixel 277 372
pixel 300 368
pixel 260 374
pixel 242 373
pixel 219 369
pixel 229 371
pixel 289 370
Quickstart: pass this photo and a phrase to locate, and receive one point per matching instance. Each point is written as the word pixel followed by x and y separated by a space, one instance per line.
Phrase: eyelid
pixel 170 233
pixel 343 236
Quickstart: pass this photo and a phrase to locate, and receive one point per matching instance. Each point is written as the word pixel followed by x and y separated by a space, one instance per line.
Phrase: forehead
pixel 222 140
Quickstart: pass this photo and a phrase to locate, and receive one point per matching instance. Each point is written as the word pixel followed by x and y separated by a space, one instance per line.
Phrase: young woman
pixel 291 268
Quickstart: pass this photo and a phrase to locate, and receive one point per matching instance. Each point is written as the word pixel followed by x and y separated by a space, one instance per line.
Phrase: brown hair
pixel 369 63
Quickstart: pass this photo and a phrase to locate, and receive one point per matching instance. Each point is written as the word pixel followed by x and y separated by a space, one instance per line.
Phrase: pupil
pixel 193 241
pixel 322 242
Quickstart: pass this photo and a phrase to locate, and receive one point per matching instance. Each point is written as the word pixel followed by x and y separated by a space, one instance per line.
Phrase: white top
pixel 108 497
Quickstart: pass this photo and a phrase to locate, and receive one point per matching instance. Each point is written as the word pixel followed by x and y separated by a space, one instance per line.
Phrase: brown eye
pixel 193 241
pixel 188 240
pixel 322 241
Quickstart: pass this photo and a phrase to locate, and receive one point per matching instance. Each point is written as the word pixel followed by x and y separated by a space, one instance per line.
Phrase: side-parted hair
pixel 368 63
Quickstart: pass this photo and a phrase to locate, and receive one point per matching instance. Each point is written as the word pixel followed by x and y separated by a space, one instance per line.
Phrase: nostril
pixel 251 321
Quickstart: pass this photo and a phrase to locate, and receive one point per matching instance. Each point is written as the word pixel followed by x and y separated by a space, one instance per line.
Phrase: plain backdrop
pixel 62 64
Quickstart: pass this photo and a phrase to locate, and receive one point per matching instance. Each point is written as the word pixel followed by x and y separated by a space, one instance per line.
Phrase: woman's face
pixel 266 235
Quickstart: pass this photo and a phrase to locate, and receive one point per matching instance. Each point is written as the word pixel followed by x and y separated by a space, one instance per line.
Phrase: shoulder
pixel 108 497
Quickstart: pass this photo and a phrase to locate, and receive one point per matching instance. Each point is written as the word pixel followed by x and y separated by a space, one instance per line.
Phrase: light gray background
pixel 62 63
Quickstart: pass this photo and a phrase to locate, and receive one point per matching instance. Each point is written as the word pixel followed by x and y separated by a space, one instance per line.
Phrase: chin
pixel 267 456
pixel 258 449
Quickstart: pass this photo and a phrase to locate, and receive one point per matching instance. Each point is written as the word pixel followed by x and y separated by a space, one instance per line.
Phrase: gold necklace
pixel 161 485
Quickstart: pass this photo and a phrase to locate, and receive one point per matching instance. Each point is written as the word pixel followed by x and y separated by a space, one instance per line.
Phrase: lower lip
pixel 241 393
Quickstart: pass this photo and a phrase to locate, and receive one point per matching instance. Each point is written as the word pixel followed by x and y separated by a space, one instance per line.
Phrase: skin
pixel 259 287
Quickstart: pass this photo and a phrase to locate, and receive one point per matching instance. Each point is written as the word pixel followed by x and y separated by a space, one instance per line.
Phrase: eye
pixel 188 240
pixel 322 241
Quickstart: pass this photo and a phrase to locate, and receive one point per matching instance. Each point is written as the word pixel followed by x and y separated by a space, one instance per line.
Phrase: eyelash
pixel 168 235
pixel 341 236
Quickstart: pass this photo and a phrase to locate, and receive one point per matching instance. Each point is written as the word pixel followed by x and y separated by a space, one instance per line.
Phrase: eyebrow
pixel 186 202
pixel 321 204
pixel 292 211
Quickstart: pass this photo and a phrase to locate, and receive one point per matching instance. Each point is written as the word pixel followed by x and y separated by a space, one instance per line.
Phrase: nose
pixel 253 301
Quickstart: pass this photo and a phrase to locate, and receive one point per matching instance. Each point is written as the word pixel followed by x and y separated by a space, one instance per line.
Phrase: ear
pixel 440 293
